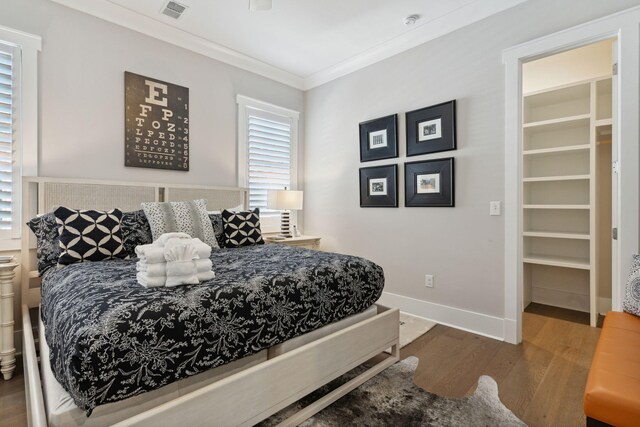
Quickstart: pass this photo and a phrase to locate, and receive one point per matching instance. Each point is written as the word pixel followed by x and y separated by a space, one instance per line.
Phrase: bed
pixel 276 323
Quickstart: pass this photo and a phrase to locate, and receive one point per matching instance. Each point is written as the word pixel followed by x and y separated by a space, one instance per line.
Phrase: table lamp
pixel 285 201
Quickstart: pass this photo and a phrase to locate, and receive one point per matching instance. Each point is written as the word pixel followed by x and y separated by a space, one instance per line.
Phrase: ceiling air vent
pixel 174 9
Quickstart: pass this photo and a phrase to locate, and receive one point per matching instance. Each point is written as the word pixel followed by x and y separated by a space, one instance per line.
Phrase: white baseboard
pixel 604 305
pixel 477 323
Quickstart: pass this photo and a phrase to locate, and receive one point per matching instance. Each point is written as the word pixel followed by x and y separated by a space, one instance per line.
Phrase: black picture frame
pixel 439 188
pixel 431 129
pixel 387 176
pixel 383 130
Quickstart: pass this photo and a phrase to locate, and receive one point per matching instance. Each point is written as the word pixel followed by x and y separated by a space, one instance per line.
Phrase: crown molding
pixel 135 21
pixel 430 30
pixel 127 18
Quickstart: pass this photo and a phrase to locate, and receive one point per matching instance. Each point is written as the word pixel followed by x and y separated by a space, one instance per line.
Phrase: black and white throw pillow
pixel 135 231
pixel 186 217
pixel 241 228
pixel 218 231
pixel 45 228
pixel 88 235
pixel 631 303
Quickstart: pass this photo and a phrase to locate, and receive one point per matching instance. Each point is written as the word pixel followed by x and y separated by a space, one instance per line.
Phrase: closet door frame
pixel 625 26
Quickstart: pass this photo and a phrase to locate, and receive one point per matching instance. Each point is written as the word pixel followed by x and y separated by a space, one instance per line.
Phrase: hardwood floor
pixel 13 410
pixel 541 380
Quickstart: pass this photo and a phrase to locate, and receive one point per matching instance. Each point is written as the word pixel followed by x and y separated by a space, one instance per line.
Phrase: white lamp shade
pixel 284 200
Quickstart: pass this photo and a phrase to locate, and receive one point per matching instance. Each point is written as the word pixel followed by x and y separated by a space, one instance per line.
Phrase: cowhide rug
pixel 392 399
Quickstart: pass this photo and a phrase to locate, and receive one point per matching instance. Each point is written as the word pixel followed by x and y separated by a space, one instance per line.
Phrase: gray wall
pixel 462 246
pixel 82 68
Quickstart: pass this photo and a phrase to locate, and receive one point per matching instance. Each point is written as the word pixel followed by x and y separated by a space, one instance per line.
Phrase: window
pixel 267 154
pixel 10 136
pixel 18 125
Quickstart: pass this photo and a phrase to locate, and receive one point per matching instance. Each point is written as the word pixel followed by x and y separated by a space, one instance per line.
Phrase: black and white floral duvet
pixel 111 338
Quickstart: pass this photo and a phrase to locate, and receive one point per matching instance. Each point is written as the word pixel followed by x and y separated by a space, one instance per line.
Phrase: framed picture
pixel 156 124
pixel 379 187
pixel 431 129
pixel 379 139
pixel 429 183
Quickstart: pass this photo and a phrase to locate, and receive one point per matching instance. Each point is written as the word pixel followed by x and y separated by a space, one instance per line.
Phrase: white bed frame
pixel 244 398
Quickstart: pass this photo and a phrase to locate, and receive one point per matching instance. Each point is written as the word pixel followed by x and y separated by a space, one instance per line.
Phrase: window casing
pixel 18 126
pixel 267 155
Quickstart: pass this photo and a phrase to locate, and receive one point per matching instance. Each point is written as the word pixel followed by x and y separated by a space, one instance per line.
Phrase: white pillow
pixel 186 217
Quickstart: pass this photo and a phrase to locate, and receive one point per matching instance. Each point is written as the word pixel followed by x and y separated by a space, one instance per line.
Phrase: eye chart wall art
pixel 156 124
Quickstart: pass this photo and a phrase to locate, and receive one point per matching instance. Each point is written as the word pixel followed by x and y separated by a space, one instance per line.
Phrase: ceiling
pixel 303 43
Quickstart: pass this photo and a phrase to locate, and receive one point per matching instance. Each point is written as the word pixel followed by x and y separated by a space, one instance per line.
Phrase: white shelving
pixel 557 178
pixel 552 235
pixel 561 129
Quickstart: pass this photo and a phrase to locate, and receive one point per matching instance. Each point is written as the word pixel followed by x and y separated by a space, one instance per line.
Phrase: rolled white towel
pixel 162 240
pixel 206 275
pixel 181 266
pixel 150 282
pixel 160 269
pixel 150 254
pixel 203 250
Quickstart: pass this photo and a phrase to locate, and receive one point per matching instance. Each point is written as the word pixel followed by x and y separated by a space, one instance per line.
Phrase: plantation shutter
pixel 269 160
pixel 8 131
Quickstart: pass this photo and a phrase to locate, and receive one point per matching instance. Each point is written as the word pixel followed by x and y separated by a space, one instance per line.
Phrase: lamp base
pixel 285 221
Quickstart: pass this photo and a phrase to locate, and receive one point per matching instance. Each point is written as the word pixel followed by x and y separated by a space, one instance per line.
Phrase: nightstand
pixel 309 242
pixel 7 349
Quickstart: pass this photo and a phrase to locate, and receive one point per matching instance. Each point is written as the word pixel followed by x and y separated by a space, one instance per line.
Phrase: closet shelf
pixel 555 235
pixel 604 122
pixel 554 150
pixel 556 178
pixel 557 261
pixel 579 207
pixel 560 123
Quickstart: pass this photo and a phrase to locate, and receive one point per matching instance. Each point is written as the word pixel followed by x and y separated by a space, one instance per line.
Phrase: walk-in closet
pixel 567 180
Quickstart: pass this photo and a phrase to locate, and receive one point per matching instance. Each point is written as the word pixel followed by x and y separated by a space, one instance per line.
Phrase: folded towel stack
pixel 172 260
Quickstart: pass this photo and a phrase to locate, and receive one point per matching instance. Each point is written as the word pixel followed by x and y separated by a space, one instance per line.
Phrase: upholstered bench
pixel 612 395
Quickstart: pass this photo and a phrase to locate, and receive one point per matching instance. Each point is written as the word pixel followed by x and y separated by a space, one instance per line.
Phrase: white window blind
pixel 9 133
pixel 269 159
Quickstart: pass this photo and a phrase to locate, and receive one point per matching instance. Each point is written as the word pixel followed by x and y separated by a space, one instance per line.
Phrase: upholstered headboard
pixel 41 195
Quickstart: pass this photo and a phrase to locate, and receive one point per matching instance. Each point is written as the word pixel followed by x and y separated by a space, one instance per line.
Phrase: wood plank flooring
pixel 541 380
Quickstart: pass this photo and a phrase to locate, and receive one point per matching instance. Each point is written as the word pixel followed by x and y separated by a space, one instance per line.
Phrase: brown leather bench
pixel 612 395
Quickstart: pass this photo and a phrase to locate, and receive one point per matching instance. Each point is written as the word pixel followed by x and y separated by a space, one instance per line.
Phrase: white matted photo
pixel 428 183
pixel 378 187
pixel 378 139
pixel 431 129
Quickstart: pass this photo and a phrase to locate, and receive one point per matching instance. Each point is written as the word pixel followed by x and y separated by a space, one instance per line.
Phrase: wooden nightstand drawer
pixel 309 242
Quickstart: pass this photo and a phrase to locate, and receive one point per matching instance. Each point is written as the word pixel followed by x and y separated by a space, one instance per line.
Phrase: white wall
pixel 461 246
pixel 81 105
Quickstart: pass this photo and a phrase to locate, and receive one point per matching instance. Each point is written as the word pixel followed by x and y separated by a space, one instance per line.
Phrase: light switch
pixel 494 208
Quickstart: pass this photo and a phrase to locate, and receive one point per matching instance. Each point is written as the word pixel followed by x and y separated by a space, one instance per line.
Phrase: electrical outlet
pixel 428 280
pixel 494 208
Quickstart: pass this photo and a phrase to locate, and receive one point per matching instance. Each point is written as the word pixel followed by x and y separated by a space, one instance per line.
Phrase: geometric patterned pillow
pixel 241 228
pixel 88 235
pixel 631 303
pixel 47 241
pixel 186 217
pixel 135 231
